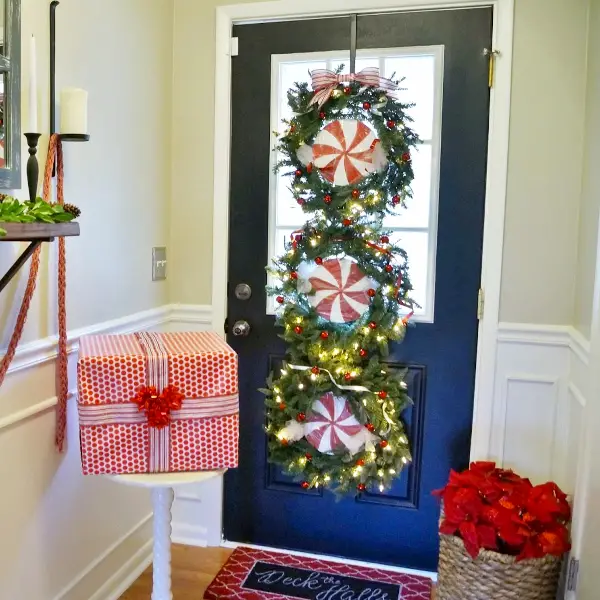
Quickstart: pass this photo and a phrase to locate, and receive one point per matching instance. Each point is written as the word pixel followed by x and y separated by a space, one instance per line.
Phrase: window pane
pixel 291 73
pixel 362 63
pixel 417 88
pixel 418 68
pixel 416 213
pixel 416 245
pixel 288 211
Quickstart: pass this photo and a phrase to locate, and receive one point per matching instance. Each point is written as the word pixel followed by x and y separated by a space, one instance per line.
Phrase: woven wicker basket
pixel 493 576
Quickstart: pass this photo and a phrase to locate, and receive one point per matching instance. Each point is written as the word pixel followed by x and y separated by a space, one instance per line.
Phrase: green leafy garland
pixel 40 211
pixel 343 221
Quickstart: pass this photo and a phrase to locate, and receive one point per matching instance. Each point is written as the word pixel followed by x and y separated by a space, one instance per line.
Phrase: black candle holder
pixel 33 169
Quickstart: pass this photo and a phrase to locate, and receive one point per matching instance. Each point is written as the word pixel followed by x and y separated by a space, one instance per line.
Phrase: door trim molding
pixel 496 181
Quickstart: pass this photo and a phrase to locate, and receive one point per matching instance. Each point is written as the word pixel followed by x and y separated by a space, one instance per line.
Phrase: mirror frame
pixel 10 67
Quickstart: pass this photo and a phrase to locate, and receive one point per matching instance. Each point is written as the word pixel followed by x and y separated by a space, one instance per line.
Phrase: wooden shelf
pixel 26 232
pixel 75 137
pixel 35 234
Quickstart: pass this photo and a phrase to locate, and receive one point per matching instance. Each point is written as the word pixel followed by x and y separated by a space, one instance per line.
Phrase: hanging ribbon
pixel 350 388
pixel 55 155
pixel 62 386
pixel 324 82
pixel 376 247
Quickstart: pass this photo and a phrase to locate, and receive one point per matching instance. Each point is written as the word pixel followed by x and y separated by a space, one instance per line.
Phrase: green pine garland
pixel 343 221
pixel 13 210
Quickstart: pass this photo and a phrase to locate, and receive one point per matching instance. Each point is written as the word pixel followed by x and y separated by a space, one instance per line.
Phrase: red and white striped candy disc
pixel 341 290
pixel 343 151
pixel 330 424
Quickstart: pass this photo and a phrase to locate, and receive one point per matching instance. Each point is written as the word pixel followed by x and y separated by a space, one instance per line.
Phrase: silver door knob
pixel 241 328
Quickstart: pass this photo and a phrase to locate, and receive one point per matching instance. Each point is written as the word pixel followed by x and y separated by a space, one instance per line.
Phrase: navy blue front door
pixel 262 505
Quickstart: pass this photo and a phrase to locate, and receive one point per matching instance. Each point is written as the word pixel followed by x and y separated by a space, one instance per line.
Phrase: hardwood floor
pixel 193 570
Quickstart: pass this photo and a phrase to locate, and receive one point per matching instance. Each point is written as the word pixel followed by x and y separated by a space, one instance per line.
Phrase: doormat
pixel 251 574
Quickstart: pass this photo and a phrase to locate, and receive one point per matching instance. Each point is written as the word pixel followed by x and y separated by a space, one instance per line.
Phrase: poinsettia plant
pixel 498 510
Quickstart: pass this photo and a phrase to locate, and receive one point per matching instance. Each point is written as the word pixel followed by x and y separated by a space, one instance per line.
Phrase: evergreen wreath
pixel 337 362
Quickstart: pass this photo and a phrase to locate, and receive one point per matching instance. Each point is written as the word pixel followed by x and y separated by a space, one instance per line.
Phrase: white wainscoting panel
pixel 540 425
pixel 531 407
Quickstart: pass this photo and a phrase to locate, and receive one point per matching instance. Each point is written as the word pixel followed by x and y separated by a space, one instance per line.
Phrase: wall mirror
pixel 10 94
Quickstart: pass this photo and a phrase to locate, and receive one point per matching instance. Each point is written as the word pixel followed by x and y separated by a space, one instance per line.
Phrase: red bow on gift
pixel 157 406
pixel 324 82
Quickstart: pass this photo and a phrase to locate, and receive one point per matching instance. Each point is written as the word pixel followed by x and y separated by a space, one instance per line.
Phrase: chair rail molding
pixel 171 317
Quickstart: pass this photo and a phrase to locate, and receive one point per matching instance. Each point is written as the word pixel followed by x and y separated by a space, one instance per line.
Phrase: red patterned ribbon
pixel 324 82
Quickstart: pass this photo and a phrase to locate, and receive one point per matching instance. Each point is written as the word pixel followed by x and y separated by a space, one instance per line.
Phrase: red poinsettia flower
pixel 498 510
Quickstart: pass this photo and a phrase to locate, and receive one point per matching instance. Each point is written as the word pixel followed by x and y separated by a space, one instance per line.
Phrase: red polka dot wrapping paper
pixel 229 582
pixel 115 435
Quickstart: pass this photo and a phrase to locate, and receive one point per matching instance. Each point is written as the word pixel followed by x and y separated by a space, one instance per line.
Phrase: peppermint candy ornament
pixel 340 290
pixel 344 151
pixel 331 425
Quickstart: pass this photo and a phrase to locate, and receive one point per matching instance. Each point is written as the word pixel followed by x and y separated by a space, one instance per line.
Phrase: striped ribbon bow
pixel 324 82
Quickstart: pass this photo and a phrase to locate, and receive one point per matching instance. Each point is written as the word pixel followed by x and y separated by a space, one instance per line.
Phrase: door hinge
pixel 234 50
pixel 480 303
pixel 572 575
pixel 492 55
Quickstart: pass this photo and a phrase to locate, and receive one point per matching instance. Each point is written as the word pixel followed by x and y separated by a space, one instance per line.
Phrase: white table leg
pixel 162 501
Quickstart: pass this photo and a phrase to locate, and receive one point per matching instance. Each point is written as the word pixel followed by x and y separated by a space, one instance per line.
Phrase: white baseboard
pixel 118 583
pixel 189 535
pixel 109 575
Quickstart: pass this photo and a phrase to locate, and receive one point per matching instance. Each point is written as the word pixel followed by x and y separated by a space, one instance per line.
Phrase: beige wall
pixel 590 198
pixel 53 522
pixel 545 158
pixel 544 182
pixel 193 136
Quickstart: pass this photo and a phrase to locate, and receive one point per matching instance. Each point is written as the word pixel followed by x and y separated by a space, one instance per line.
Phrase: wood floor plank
pixel 192 571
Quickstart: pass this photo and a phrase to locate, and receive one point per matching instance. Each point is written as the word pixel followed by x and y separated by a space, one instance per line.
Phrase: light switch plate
pixel 159 264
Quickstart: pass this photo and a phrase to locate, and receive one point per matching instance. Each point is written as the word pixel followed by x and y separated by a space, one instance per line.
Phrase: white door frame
pixel 493 236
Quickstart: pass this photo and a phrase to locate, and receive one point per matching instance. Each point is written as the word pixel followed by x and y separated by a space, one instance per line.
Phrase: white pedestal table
pixel 162 486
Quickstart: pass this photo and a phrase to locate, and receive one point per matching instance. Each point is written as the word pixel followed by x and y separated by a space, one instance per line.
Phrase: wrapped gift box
pixel 157 403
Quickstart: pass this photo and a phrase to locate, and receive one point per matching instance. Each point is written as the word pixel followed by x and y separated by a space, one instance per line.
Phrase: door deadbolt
pixel 243 291
pixel 241 328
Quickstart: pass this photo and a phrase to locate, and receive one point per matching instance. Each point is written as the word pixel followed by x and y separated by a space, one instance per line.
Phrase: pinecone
pixel 71 208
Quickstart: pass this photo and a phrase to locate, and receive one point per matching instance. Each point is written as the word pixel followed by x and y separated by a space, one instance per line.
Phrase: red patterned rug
pixel 259 575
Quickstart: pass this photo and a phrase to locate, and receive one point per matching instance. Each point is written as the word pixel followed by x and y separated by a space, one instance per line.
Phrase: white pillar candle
pixel 33 108
pixel 73 111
